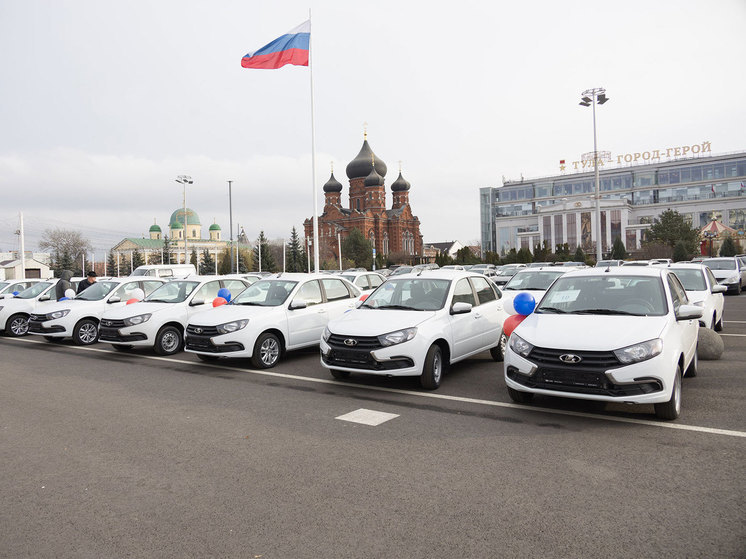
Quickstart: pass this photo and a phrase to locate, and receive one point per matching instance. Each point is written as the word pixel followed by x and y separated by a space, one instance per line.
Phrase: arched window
pixel 372 239
pixel 408 242
pixel 385 242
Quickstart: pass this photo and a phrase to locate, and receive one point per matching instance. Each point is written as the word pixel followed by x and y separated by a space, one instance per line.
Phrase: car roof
pixel 439 273
pixel 617 271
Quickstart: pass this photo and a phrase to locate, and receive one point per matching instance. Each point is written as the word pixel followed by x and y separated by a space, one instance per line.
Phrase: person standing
pixel 87 282
pixel 63 284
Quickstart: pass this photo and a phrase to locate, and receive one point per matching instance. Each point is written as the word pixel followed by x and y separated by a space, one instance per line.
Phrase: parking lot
pixel 113 454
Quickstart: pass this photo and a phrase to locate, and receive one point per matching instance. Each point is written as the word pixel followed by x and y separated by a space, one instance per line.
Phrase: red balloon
pixel 217 301
pixel 130 301
pixel 511 322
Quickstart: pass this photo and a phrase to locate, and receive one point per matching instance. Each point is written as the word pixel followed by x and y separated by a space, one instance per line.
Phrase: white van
pixel 166 270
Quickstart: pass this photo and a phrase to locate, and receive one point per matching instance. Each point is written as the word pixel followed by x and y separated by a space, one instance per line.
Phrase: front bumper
pixel 396 360
pixel 47 328
pixel 209 342
pixel 115 332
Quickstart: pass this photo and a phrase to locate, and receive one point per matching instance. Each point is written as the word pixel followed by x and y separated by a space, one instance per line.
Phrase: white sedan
pixel 78 318
pixel 624 335
pixel 703 290
pixel 276 314
pixel 366 282
pixel 415 325
pixel 729 272
pixel 160 319
pixel 14 312
pixel 11 288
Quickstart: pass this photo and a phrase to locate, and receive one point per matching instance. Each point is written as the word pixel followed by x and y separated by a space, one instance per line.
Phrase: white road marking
pixel 491 403
pixel 735 335
pixel 734 321
pixel 367 417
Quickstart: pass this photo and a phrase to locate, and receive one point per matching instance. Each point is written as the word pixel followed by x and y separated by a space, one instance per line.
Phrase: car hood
pixel 138 308
pixel 228 313
pixel 373 322
pixel 722 274
pixel 18 305
pixel 72 305
pixel 589 332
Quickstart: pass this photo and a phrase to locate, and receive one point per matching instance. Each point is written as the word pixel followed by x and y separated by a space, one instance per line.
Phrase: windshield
pixel 625 295
pixel 3 284
pixel 141 272
pixel 6 287
pixel 729 264
pixel 34 290
pixel 414 294
pixel 351 279
pixel 172 292
pixel 265 293
pixel 692 280
pixel 97 291
pixel 532 280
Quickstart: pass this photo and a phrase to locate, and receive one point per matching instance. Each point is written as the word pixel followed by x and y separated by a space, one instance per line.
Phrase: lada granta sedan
pixel 415 325
pixel 613 335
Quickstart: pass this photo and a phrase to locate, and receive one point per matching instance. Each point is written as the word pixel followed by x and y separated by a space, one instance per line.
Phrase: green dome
pixel 178 218
pixel 155 229
pixel 215 227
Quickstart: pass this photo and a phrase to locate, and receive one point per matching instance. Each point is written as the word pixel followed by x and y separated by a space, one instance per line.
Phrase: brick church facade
pixel 393 230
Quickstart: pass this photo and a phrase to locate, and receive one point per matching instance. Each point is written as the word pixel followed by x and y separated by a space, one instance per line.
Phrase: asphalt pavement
pixel 106 454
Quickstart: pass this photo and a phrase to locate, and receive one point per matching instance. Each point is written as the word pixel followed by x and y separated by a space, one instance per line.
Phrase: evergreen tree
pixel 357 248
pixel 267 263
pixel 137 260
pixel 680 252
pixel 524 256
pixel 579 255
pixel 194 259
pixel 224 262
pixel 728 248
pixel 111 264
pixel 618 252
pixel 380 261
pixel 296 256
pixel 207 266
pixel 671 227
pixel 246 261
pixel 167 250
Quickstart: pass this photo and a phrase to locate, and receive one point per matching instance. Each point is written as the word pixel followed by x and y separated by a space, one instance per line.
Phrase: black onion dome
pixel 360 166
pixel 400 184
pixel 373 179
pixel 333 185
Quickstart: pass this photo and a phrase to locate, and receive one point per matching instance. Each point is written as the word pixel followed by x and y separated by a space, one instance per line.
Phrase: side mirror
pixel 688 312
pixel 196 302
pixel 298 304
pixel 114 300
pixel 719 288
pixel 44 298
pixel 463 308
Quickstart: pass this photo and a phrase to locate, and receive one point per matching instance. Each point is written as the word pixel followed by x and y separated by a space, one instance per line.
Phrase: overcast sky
pixel 103 103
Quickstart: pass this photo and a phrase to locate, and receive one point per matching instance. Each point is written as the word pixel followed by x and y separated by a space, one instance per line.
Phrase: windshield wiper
pixel 551 310
pixel 250 303
pixel 399 307
pixel 156 301
pixel 605 311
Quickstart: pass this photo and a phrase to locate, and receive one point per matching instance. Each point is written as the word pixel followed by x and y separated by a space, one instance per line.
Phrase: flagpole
pixel 313 158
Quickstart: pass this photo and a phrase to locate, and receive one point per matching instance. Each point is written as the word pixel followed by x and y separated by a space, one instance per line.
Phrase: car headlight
pixel 326 335
pixel 229 327
pixel 397 337
pixel 639 352
pixel 135 320
pixel 58 314
pixel 519 345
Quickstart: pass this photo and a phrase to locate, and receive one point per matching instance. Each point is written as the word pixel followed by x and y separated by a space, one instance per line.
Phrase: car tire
pixel 267 351
pixel 339 375
pixel 17 325
pixel 718 326
pixel 168 341
pixel 122 348
pixel 207 358
pixel 498 352
pixel 520 397
pixel 85 332
pixel 671 409
pixel 432 370
pixel 691 371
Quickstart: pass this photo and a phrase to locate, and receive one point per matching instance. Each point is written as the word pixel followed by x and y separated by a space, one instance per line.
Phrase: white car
pixel 11 288
pixel 14 312
pixel 729 272
pixel 704 291
pixel 274 315
pixel 159 320
pixel 625 335
pixel 366 282
pixel 415 325
pixel 78 318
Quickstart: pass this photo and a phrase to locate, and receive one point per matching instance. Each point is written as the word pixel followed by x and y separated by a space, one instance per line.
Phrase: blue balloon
pixel 225 294
pixel 15 293
pixel 64 298
pixel 524 303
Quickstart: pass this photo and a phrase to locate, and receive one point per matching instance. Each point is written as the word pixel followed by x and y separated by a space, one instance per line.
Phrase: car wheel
pixel 267 351
pixel 498 352
pixel 207 358
pixel 17 325
pixel 339 375
pixel 691 371
pixel 168 341
pixel 85 332
pixel 520 397
pixel 672 408
pixel 432 370
pixel 719 325
pixel 122 348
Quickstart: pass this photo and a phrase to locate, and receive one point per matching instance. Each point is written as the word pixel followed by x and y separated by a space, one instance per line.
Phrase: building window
pixel 572 234
pixel 385 243
pixel 558 230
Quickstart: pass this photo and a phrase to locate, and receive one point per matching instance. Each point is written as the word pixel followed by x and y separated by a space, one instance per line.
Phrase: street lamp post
pixel 185 180
pixel 591 97
pixel 230 210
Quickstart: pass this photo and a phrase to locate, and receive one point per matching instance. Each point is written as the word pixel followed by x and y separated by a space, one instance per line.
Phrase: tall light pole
pixel 185 180
pixel 230 210
pixel 591 97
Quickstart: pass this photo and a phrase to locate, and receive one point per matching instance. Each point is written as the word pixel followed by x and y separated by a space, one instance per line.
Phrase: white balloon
pixel 138 294
pixel 508 304
pixel 70 293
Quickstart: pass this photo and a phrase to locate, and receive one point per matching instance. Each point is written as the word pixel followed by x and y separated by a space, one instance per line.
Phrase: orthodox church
pixel 393 230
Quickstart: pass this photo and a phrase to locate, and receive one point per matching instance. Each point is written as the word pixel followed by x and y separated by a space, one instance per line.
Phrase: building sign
pixel 651 156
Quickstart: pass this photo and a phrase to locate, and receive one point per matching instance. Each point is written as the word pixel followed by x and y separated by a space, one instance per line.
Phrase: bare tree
pixel 68 247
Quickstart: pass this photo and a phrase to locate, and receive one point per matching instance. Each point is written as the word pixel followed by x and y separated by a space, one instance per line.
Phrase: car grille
pixel 590 361
pixel 197 330
pixel 110 323
pixel 367 343
pixel 581 382
pixel 38 317
pixel 363 360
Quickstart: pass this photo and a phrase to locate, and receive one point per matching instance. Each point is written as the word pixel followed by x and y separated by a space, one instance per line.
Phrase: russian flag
pixel 291 48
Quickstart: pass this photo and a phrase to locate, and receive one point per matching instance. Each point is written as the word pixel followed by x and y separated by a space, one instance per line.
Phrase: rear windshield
pixel 720 264
pixel 692 280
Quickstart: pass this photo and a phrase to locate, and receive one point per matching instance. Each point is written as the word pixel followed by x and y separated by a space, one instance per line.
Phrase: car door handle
pixel 477 315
